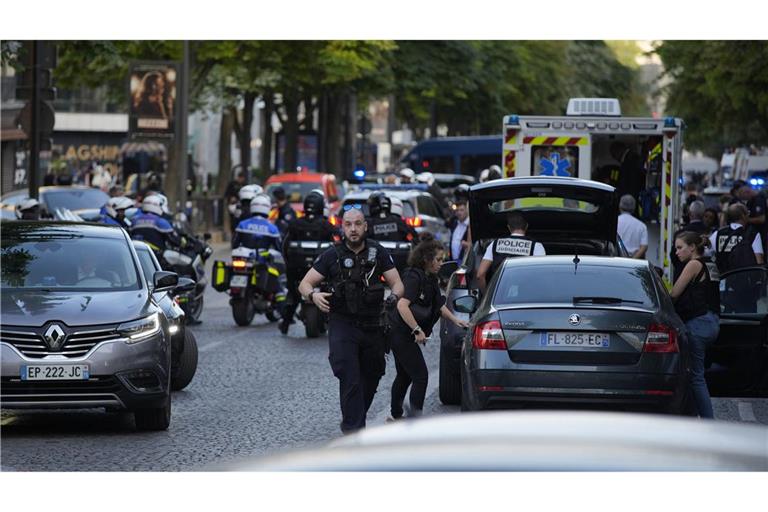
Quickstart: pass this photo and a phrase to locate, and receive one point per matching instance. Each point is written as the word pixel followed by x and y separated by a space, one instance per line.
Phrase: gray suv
pixel 80 327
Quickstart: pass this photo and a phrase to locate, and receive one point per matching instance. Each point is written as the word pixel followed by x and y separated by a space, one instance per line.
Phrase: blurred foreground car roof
pixel 535 441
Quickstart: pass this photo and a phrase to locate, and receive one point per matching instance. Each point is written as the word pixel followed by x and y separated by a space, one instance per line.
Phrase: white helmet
pixel 407 173
pixel 118 203
pixel 261 205
pixel 484 175
pixel 163 202
pixel 425 177
pixel 248 192
pixel 25 206
pixel 152 204
pixel 397 207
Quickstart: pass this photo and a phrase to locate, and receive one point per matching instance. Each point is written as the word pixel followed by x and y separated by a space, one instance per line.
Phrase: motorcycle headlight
pixel 141 329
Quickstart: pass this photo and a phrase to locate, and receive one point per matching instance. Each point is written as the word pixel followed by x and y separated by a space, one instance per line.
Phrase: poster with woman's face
pixel 152 98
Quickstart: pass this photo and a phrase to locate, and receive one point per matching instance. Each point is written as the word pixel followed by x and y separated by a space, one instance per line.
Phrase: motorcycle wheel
pixel 243 311
pixel 188 364
pixel 195 308
pixel 272 314
pixel 312 320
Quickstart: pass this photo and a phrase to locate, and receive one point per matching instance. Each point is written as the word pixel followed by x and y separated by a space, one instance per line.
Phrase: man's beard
pixel 355 244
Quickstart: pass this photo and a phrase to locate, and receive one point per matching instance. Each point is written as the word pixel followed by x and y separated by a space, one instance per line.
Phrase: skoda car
pixel 575 330
pixel 80 327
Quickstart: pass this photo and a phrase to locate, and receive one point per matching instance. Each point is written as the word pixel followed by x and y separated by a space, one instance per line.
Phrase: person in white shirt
pixel 633 232
pixel 460 239
pixel 723 240
pixel 515 246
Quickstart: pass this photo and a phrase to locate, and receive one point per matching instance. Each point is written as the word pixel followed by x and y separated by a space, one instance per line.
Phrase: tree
pixel 720 89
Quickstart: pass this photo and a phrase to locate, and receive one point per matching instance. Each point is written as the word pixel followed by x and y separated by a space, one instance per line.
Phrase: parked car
pixel 534 441
pixel 81 325
pixel 56 200
pixel 298 184
pixel 183 342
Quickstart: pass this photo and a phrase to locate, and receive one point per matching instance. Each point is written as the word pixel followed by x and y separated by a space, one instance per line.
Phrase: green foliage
pixel 720 88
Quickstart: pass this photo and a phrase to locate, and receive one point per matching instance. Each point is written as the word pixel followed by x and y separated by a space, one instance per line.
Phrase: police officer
pixel 28 209
pixel 516 245
pixel 355 334
pixel 150 226
pixel 256 232
pixel 284 212
pixel 313 226
pixel 242 210
pixel 114 211
pixel 383 224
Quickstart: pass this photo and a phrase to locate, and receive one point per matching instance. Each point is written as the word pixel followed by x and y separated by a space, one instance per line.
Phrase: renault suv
pixel 80 327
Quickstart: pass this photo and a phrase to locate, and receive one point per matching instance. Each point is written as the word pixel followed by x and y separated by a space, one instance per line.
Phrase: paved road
pixel 255 392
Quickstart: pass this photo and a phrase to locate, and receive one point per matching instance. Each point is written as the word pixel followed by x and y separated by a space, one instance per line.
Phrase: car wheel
pixel 450 383
pixel 157 418
pixel 188 364
pixel 243 311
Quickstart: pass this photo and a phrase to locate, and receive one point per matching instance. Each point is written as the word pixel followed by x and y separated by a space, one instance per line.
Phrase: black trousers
pixel 411 371
pixel 357 359
pixel 293 298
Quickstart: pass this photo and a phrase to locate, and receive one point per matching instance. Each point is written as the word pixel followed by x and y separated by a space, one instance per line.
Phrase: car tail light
pixel 460 279
pixel 489 336
pixel 414 222
pixel 661 338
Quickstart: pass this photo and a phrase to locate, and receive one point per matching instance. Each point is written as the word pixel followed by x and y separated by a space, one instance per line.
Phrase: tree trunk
pixel 266 139
pixel 225 152
pixel 322 132
pixel 291 130
pixel 243 131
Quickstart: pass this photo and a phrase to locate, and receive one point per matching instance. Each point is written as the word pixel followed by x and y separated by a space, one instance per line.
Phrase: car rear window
pixel 543 202
pixel 561 283
pixel 296 192
pixel 68 264
pixel 75 199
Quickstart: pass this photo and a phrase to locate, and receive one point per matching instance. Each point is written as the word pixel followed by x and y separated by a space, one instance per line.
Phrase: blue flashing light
pixel 513 119
pixel 669 122
pixel 359 174
pixel 753 181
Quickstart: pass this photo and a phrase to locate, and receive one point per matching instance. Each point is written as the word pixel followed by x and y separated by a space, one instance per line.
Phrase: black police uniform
pixel 390 228
pixel 512 247
pixel 285 214
pixel 733 250
pixel 355 333
pixel 315 229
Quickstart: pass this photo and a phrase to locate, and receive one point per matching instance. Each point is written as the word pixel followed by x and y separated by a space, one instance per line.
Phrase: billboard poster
pixel 306 153
pixel 152 98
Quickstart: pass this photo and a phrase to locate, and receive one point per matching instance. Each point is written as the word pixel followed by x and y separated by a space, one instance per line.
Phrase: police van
pixel 580 143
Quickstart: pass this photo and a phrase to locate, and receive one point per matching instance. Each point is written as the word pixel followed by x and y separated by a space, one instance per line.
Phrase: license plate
pixel 55 372
pixel 575 339
pixel 238 281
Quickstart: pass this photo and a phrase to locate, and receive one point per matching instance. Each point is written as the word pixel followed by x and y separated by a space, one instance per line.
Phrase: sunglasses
pixel 356 206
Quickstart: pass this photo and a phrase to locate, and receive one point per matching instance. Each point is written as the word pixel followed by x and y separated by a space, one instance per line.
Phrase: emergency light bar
pixel 407 186
pixel 593 107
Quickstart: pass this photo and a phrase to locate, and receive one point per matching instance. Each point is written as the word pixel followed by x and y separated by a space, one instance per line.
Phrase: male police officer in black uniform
pixel 516 245
pixel 355 333
pixel 313 227
pixel 385 226
pixel 285 213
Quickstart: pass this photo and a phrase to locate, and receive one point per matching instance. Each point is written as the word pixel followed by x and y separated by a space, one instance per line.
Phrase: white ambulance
pixel 594 141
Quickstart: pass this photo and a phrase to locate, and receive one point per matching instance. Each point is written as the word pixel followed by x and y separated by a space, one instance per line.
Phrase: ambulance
pixel 579 145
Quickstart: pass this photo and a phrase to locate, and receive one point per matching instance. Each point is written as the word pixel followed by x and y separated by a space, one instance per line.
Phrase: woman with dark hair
pixel 697 301
pixel 417 311
pixel 711 219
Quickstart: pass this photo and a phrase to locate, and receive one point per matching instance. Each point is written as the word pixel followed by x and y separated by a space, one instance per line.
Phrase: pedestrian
pixel 518 244
pixel 696 298
pixel 461 240
pixel 417 311
pixel 356 340
pixel 756 205
pixel 284 212
pixel 711 220
pixel 697 225
pixel 633 232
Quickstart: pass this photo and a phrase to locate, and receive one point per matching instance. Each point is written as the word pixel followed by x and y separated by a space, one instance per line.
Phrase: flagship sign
pixel 152 98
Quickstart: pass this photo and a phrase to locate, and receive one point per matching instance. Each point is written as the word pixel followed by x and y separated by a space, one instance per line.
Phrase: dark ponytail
pixel 692 238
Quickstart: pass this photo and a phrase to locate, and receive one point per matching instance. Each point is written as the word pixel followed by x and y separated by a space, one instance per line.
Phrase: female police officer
pixel 355 331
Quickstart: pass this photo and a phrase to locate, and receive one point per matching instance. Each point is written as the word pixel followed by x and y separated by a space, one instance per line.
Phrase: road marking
pixel 746 413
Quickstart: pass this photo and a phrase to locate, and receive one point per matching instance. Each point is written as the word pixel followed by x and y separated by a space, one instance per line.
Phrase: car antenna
pixel 576 259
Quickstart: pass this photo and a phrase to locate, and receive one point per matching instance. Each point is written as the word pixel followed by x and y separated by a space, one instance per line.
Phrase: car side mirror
pixel 465 304
pixel 207 236
pixel 164 281
pixel 447 269
pixel 185 285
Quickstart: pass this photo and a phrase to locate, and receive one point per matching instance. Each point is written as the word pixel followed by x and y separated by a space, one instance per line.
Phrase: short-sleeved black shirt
pixel 328 263
pixel 422 289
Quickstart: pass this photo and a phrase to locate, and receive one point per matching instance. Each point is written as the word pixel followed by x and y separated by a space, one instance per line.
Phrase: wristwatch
pixel 309 296
pixel 416 330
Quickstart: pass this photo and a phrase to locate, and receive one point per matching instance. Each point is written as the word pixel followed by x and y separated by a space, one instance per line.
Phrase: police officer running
pixel 313 226
pixel 114 211
pixel 150 226
pixel 355 333
pixel 515 246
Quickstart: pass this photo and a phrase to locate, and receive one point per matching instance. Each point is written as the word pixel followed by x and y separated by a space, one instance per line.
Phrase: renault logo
pixel 574 319
pixel 54 337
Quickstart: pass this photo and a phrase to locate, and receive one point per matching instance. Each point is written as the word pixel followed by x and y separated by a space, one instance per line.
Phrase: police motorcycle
pixel 306 239
pixel 255 277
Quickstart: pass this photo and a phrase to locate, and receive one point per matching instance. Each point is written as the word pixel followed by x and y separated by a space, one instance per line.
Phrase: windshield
pixel 75 199
pixel 564 283
pixel 296 192
pixel 68 263
pixel 408 210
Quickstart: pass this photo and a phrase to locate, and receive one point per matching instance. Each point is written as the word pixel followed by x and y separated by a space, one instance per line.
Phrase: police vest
pixel 512 247
pixel 152 229
pixel 734 249
pixel 390 228
pixel 357 288
pixel 309 230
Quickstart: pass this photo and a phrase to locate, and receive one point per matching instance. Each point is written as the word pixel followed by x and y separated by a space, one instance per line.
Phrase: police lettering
pixel 727 243
pixel 383 229
pixel 514 247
